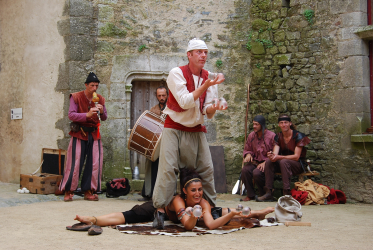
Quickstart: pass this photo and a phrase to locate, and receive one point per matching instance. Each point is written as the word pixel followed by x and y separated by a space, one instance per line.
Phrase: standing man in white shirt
pixel 184 143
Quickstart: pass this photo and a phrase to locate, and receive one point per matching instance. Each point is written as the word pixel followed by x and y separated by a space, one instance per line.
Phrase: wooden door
pixel 143 97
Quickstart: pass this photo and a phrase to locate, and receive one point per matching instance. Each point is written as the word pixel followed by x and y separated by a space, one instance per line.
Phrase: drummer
pixel 151 168
pixel 184 143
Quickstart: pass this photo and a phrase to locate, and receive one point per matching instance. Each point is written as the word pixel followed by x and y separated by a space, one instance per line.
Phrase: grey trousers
pixel 180 149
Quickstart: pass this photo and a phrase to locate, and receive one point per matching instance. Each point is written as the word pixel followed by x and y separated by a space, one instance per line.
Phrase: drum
pixel 146 135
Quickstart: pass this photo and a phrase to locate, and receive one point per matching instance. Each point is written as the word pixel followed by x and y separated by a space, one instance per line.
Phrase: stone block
pixel 258 24
pixel 352 100
pixel 283 59
pixel 103 90
pixel 355 72
pixel 114 128
pixel 79 48
pixel 292 35
pixel 267 106
pixel 355 47
pixel 80 25
pixel 257 48
pixel 279 36
pixel 105 13
pixel 281 106
pixel 117 91
pixel 293 106
pixel 104 46
pixel 116 110
pixel 348 33
pixel 357 6
pixel 354 19
pixel 63 77
pixel 276 24
pixel 304 81
pixel 80 8
pixel 338 7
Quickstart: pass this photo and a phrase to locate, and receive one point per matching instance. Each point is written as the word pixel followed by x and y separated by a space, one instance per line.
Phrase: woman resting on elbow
pixel 192 193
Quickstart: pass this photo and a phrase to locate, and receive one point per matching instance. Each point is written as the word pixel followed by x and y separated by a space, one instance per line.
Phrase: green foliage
pixel 142 47
pixel 258 65
pixel 248 44
pixel 219 63
pixel 111 30
pixel 309 14
pixel 266 43
pixel 261 30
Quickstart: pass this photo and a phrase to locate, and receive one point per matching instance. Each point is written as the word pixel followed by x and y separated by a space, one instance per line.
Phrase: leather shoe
pixel 146 198
pixel 68 196
pixel 90 196
pixel 265 198
pixel 158 221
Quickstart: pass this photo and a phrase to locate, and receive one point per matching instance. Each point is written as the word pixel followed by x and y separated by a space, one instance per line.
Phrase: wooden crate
pixel 40 183
pixel 52 166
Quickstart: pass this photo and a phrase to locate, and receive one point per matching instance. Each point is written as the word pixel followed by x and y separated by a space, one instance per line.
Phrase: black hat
pixel 92 78
pixel 262 121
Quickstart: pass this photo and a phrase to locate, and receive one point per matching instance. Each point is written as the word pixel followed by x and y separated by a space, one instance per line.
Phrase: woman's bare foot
pixel 85 219
pixel 261 214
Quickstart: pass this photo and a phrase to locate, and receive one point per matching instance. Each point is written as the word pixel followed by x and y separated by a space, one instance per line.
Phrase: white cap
pixel 196 44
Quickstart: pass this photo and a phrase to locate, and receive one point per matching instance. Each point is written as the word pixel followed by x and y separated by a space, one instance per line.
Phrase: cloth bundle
pixel 316 193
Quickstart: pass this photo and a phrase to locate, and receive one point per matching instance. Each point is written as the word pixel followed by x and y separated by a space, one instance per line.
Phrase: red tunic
pixel 83 107
pixel 173 105
pixel 297 140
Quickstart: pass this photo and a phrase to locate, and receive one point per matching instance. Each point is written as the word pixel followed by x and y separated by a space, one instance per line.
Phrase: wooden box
pixel 52 166
pixel 40 183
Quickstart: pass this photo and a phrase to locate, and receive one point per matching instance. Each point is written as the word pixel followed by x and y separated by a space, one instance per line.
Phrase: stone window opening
pixel 286 3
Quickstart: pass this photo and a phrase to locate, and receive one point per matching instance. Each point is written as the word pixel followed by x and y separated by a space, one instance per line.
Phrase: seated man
pixel 288 157
pixel 258 144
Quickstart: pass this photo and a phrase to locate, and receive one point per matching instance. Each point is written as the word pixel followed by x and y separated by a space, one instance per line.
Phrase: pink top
pixel 259 147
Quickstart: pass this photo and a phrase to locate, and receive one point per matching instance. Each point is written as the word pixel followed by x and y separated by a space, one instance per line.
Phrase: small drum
pixel 146 135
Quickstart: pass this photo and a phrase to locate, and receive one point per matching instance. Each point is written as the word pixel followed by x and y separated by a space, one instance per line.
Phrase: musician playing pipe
pixel 85 142
pixel 184 143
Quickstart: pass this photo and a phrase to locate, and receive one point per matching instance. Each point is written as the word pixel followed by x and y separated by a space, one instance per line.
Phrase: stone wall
pixel 316 71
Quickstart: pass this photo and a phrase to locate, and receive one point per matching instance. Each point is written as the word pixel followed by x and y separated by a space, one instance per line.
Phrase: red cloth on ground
pixel 335 196
pixel 300 196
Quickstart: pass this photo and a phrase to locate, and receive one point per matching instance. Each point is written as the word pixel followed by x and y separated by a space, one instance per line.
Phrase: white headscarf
pixel 196 44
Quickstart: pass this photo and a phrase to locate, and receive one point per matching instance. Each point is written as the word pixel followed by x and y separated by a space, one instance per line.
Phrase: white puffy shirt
pixel 177 85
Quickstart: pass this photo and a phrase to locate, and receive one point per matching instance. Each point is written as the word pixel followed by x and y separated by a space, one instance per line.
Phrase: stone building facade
pixel 311 66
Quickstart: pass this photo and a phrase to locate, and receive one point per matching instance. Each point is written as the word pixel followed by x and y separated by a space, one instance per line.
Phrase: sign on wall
pixel 16 114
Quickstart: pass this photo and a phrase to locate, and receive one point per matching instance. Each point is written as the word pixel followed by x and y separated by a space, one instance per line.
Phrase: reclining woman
pixel 192 195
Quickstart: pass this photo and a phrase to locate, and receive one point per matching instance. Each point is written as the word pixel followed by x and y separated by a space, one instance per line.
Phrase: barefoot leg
pixel 261 214
pixel 104 220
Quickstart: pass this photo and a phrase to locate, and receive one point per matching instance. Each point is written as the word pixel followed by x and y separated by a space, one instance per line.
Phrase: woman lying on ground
pixel 192 195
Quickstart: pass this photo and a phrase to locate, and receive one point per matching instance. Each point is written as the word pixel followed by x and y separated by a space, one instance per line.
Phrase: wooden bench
pixel 308 174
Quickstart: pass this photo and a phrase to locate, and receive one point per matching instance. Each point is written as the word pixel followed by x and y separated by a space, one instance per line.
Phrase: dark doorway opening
pixel 143 97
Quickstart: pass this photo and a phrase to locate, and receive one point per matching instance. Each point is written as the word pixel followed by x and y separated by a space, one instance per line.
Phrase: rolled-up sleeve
pixel 177 85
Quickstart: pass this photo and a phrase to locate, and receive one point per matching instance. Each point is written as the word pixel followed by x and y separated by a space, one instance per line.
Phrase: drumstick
pixel 297 223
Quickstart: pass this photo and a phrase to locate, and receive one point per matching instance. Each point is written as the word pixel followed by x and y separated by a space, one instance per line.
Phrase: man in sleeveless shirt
pixel 151 168
pixel 85 143
pixel 184 142
pixel 258 144
pixel 288 157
